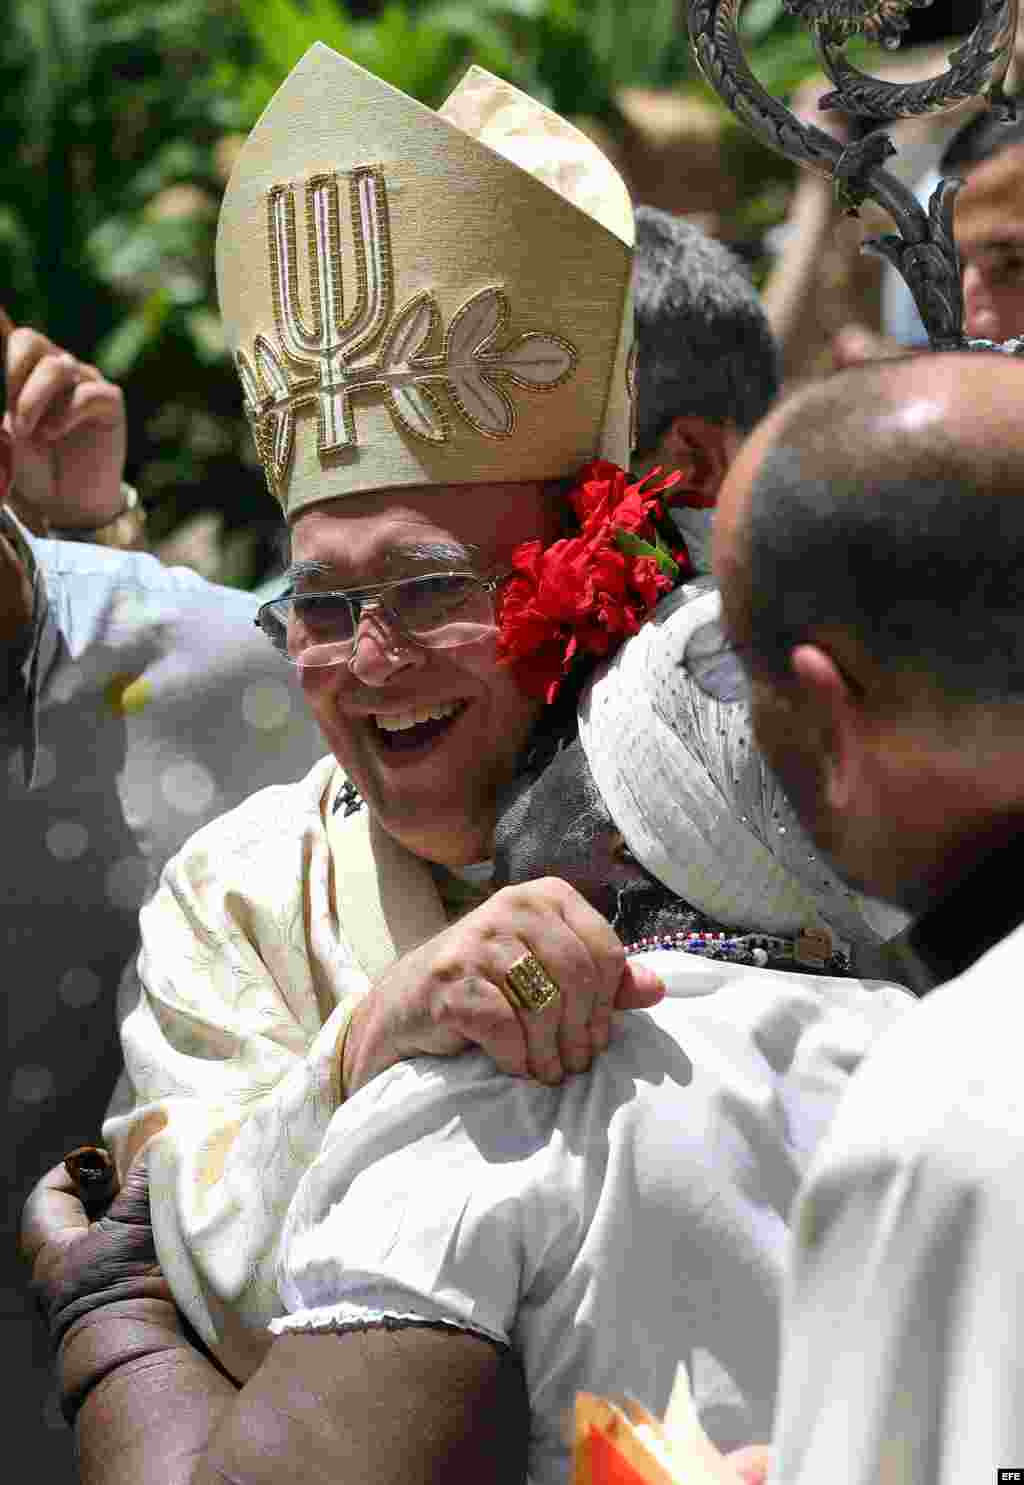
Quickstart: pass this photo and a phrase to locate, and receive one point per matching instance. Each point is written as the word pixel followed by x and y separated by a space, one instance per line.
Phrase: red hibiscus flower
pixel 583 595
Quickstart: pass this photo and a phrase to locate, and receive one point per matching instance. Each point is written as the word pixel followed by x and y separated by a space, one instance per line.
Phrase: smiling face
pixel 454 720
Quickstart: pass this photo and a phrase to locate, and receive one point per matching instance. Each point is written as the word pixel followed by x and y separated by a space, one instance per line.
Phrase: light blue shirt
pixel 149 703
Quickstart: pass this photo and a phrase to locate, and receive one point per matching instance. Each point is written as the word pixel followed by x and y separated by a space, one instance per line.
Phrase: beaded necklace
pixel 759 949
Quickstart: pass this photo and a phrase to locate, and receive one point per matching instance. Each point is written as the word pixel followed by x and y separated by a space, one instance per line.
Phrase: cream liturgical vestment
pixel 255 948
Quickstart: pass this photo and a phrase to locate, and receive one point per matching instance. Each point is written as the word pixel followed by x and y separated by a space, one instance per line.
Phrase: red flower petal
pixel 583 595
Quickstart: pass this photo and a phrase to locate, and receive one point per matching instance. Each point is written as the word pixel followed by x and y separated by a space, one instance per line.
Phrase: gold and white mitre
pixel 420 298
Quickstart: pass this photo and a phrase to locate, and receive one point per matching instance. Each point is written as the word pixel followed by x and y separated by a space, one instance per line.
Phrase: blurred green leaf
pixel 119 352
pixel 758 17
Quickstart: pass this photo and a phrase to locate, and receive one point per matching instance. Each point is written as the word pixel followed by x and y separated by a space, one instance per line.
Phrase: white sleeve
pixel 431 1183
pixel 902 1331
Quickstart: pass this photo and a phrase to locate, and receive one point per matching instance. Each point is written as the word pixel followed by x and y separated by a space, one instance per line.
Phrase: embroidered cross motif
pixel 315 365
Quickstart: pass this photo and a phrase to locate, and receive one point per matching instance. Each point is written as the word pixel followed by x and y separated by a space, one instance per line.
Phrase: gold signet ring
pixel 528 986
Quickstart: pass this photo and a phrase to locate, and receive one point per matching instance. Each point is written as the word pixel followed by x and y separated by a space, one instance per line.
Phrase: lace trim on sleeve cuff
pixel 349 1317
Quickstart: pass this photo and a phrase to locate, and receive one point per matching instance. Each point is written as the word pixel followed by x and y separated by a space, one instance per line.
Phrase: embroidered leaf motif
pixel 410 331
pixel 411 402
pixel 418 410
pixel 270 368
pixel 250 386
pixel 331 363
pixel 475 326
pixel 535 360
pixel 273 429
pixel 480 402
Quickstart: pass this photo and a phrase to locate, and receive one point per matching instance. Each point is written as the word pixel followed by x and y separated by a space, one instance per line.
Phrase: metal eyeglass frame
pixel 358 599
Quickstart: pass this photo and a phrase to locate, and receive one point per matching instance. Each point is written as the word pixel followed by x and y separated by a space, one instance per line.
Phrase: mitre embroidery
pixel 315 363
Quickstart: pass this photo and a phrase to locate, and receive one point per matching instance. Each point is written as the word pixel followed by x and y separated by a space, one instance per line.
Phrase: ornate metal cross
pixel 922 249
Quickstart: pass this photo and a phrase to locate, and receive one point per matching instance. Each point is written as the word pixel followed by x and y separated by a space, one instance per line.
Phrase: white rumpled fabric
pixel 608 1228
pixel 907 1250
pixel 682 778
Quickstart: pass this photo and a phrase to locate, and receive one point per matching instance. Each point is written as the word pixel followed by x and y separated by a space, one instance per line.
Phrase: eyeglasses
pixel 438 611
pixel 713 664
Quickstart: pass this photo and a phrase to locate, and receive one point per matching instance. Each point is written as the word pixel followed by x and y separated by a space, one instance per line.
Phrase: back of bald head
pixel 890 505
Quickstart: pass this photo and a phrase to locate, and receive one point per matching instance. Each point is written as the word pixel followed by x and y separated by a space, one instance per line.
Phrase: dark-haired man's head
pixel 989 156
pixel 707 366
pixel 870 547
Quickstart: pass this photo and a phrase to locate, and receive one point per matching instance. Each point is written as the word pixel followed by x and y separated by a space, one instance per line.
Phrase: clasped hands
pixel 449 994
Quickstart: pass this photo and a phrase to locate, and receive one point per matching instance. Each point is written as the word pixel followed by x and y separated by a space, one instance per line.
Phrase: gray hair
pixel 913 541
pixel 705 348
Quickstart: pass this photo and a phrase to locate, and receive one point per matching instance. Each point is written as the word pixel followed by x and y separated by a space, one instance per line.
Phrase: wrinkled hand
pixel 68 427
pixel 113 1321
pixel 78 1265
pixel 446 995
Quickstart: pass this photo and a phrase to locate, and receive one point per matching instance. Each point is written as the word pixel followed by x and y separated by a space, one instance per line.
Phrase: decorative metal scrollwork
pixel 922 249
pixel 976 67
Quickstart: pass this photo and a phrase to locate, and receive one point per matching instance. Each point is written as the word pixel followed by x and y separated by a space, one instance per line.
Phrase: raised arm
pixel 62 446
pixel 67 429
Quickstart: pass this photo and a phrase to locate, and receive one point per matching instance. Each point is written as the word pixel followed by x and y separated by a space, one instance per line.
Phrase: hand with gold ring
pixel 531 977
pixel 68 432
pixel 528 986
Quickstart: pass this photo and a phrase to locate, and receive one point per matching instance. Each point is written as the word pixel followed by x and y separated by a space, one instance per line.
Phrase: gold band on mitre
pixel 416 298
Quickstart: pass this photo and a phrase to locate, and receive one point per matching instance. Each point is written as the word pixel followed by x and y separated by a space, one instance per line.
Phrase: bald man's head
pixel 888 502
pixel 870 547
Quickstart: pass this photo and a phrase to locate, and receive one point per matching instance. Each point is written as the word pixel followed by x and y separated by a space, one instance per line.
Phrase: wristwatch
pixel 123 531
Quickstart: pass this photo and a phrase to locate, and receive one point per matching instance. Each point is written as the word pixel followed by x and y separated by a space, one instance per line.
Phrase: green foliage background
pixel 118 116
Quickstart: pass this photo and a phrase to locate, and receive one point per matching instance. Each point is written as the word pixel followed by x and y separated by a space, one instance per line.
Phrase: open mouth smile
pixel 417 728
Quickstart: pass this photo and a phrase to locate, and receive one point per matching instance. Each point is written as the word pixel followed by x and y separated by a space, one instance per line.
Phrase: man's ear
pixel 702 452
pixel 832 702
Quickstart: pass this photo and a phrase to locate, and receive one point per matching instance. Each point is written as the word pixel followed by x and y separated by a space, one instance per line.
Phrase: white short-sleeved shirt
pixel 605 1229
pixel 903 1358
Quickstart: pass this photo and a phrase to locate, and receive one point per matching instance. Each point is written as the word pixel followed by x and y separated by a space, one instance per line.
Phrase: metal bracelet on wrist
pixel 131 506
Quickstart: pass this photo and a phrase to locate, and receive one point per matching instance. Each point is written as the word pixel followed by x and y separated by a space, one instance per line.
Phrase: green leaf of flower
pixel 635 546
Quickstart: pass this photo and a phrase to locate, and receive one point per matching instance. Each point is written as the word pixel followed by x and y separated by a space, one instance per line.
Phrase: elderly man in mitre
pixel 422 383
pixel 401 1270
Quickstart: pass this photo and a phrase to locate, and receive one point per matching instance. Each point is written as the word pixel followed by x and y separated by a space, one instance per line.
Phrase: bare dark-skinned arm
pixel 149 1418
pixel 412 1406
pixel 143 1396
